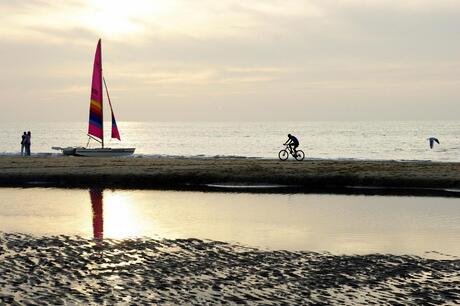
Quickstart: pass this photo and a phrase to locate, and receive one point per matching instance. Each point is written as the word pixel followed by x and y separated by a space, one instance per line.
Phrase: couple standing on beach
pixel 25 143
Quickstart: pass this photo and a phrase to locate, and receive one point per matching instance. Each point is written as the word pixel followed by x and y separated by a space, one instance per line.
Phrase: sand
pixel 176 173
pixel 75 270
pixel 63 269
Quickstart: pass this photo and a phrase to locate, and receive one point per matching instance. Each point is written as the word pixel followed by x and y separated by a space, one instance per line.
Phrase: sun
pixel 118 17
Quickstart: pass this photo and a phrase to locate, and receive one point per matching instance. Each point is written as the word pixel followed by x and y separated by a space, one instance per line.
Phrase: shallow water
pixel 341 224
pixel 403 140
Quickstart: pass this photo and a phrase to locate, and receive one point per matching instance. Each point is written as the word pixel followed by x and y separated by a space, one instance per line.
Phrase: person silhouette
pixel 293 142
pixel 23 143
pixel 27 143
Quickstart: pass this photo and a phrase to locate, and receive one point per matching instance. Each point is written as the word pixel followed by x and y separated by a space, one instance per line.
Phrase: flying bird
pixel 432 141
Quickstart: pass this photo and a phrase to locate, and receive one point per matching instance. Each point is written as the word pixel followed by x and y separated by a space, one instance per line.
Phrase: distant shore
pixel 424 178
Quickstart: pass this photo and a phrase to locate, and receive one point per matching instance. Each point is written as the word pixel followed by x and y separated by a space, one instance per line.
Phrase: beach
pixel 60 269
pixel 237 153
pixel 194 173
pixel 43 257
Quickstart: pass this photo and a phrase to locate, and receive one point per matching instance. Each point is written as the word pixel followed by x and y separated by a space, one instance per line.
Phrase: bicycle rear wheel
pixel 300 155
pixel 283 155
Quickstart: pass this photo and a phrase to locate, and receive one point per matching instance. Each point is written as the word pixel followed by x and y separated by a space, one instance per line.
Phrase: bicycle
pixel 284 154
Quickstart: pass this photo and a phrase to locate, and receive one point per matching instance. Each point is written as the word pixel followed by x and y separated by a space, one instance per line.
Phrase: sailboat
pixel 96 118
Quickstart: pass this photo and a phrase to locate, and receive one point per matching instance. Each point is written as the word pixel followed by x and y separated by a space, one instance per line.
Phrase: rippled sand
pixel 75 270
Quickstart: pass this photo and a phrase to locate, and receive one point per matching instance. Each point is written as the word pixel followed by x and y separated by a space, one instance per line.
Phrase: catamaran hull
pixel 106 152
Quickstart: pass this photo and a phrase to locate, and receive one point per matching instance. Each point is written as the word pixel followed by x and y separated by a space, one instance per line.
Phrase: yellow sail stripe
pixel 96 104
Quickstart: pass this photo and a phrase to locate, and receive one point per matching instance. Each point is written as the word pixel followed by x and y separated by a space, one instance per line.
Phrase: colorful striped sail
pixel 115 132
pixel 95 127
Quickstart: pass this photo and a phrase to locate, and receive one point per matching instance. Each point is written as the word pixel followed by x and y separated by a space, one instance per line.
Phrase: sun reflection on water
pixel 120 216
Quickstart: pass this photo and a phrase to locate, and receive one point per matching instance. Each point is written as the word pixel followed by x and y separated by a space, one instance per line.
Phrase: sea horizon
pixel 360 140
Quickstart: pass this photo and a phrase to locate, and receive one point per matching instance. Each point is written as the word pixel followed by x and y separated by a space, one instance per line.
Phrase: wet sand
pixel 188 173
pixel 64 269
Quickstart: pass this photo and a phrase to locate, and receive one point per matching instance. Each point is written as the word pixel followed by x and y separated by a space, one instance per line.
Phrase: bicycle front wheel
pixel 300 155
pixel 283 155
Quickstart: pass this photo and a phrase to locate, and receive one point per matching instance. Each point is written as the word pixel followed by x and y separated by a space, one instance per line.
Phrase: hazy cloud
pixel 228 59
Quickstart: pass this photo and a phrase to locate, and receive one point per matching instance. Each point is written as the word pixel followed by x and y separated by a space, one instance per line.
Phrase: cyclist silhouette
pixel 293 142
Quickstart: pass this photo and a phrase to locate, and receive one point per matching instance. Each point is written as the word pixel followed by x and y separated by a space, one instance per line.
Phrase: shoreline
pixel 240 175
pixel 237 157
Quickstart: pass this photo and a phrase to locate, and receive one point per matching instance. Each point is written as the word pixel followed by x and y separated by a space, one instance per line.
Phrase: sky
pixel 228 60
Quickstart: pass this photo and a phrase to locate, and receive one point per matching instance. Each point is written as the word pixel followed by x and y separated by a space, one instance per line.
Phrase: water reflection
pixel 114 215
pixel 97 206
pixel 335 223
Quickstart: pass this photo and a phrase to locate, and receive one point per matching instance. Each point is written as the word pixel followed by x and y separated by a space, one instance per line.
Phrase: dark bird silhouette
pixel 432 141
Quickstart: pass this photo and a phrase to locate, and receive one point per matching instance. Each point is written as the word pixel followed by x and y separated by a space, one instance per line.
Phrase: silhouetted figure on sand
pixel 293 142
pixel 432 140
pixel 28 142
pixel 23 143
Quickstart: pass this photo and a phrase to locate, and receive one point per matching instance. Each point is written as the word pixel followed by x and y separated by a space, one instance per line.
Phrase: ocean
pixel 390 140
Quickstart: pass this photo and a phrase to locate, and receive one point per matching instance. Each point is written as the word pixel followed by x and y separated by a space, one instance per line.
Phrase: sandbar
pixel 195 173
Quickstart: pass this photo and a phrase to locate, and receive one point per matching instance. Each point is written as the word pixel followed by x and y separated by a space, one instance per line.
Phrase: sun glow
pixel 115 17
pixel 120 216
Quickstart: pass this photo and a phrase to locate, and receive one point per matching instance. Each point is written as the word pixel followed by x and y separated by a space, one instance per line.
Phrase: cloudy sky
pixel 233 60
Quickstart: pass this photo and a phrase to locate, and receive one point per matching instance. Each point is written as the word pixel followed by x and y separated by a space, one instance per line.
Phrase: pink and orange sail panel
pixel 115 132
pixel 95 127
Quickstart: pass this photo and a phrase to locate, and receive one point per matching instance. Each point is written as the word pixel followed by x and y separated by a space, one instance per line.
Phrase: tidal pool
pixel 340 224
